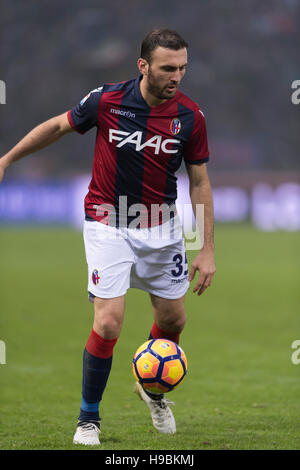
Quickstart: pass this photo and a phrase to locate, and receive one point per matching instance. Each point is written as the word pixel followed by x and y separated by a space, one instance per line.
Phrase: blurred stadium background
pixel 243 58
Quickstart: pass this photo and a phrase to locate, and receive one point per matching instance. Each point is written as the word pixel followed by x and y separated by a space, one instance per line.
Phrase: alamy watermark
pixel 296 354
pixel 295 96
pixel 157 222
pixel 2 352
pixel 2 92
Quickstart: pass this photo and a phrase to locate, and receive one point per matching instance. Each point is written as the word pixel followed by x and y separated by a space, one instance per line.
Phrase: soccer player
pixel 145 127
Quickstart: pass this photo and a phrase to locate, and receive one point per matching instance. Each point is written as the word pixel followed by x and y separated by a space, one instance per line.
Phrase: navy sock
pixel 95 374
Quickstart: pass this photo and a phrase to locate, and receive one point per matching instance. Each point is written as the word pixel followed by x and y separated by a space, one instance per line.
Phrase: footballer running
pixel 145 128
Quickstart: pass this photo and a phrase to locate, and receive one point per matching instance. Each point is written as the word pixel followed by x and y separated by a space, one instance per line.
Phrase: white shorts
pixel 152 259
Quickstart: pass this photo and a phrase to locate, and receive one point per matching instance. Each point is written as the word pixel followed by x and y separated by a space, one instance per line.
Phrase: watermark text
pixel 2 92
pixel 295 96
pixel 296 354
pixel 157 222
pixel 2 352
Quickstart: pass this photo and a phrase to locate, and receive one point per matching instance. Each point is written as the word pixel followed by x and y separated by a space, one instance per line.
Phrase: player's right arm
pixel 41 136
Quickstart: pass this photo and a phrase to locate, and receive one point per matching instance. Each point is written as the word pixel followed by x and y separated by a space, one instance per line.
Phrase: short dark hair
pixel 167 38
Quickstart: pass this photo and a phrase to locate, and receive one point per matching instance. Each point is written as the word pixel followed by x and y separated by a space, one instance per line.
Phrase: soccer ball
pixel 159 365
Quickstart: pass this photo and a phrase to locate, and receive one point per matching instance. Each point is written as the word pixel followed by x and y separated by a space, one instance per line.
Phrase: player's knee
pixel 108 317
pixel 174 324
pixel 108 324
pixel 179 324
pixel 108 328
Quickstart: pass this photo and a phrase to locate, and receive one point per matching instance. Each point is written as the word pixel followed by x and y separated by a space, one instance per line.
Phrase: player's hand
pixel 1 172
pixel 205 264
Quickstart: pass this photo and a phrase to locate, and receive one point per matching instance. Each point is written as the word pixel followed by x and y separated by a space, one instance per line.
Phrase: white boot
pixel 162 417
pixel 87 433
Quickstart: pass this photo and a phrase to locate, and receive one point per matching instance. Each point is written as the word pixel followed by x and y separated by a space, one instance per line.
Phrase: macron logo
pixel 135 138
pixel 120 112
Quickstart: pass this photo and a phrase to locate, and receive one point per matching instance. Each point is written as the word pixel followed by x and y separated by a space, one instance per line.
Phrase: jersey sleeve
pixel 84 115
pixel 196 148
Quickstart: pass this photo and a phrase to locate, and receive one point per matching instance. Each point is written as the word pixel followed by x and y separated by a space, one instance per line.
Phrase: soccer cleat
pixel 162 417
pixel 87 433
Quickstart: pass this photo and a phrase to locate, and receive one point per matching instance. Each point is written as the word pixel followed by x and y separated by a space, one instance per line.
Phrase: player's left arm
pixel 201 193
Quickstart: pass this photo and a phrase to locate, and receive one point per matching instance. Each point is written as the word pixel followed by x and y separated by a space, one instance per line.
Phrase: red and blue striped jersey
pixel 138 148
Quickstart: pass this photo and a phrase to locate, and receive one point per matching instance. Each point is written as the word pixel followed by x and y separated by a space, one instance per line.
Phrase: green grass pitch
pixel 241 390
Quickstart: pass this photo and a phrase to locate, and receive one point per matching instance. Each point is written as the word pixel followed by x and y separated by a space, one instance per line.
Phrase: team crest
pixel 95 277
pixel 175 126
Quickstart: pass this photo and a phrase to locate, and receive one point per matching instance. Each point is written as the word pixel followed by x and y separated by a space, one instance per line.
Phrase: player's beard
pixel 159 92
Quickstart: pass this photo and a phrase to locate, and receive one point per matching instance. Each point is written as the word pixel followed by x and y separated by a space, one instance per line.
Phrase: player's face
pixel 165 72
